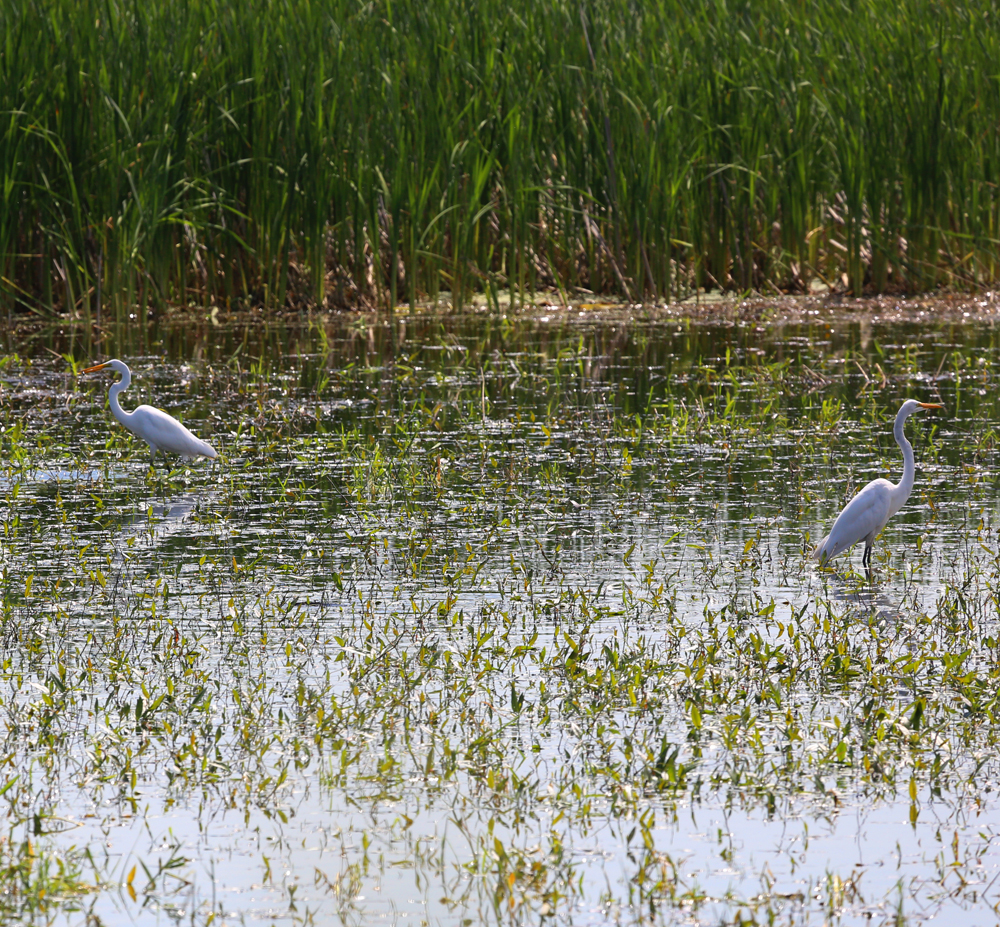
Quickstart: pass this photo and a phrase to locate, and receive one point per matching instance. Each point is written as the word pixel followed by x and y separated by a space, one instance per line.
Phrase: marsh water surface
pixel 484 619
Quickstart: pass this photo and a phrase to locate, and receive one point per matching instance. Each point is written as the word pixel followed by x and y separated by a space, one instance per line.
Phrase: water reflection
pixel 501 493
pixel 152 536
pixel 863 596
pixel 161 518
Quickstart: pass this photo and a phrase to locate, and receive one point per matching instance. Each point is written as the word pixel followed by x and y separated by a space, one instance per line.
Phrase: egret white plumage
pixel 162 432
pixel 864 517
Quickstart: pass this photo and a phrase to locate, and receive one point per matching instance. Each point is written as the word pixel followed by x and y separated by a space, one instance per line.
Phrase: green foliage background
pixel 333 152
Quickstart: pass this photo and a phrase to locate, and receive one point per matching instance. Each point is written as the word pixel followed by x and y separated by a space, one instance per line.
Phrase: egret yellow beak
pixel 97 367
pixel 931 405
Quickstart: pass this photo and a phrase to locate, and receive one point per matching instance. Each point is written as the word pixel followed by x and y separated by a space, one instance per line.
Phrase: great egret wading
pixel 162 432
pixel 864 517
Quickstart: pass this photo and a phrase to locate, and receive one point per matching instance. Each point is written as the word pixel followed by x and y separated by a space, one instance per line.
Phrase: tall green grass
pixel 334 152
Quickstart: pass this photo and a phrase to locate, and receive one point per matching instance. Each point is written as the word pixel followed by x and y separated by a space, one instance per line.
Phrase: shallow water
pixel 521 624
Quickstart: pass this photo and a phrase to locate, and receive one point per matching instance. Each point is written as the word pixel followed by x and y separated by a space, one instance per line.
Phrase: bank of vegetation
pixel 338 153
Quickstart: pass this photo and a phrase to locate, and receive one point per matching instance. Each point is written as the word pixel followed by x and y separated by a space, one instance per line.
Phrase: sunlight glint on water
pixel 525 624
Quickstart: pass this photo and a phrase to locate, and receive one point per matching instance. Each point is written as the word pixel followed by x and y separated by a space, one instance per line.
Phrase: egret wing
pixel 163 432
pixel 862 518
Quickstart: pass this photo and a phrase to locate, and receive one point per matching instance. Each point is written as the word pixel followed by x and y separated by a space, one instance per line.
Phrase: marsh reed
pixel 335 153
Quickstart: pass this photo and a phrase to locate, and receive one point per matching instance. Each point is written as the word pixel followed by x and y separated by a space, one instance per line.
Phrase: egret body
pixel 864 517
pixel 162 432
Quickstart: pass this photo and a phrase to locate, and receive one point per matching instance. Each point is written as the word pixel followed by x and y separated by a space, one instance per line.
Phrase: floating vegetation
pixel 522 626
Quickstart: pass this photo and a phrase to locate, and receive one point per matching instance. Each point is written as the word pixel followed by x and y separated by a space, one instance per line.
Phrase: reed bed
pixel 334 153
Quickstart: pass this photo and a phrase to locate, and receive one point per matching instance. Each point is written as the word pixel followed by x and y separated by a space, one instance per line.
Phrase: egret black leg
pixel 866 560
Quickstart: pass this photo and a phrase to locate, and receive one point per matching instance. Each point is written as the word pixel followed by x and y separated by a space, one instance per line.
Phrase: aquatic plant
pixel 522 626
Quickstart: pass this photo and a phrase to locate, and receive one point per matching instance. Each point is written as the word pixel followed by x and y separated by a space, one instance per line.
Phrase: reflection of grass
pixel 500 612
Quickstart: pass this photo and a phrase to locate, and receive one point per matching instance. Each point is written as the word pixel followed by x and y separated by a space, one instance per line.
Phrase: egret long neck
pixel 116 407
pixel 903 488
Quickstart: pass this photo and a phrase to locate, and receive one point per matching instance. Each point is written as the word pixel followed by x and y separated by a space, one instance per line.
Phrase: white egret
pixel 162 432
pixel 864 517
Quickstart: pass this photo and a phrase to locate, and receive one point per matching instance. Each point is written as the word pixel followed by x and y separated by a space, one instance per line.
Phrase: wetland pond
pixel 520 628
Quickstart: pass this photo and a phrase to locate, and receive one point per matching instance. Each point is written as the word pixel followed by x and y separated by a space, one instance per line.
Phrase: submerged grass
pixel 336 153
pixel 489 626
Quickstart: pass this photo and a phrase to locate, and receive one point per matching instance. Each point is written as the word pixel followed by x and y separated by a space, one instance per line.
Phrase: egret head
pixel 913 405
pixel 116 365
